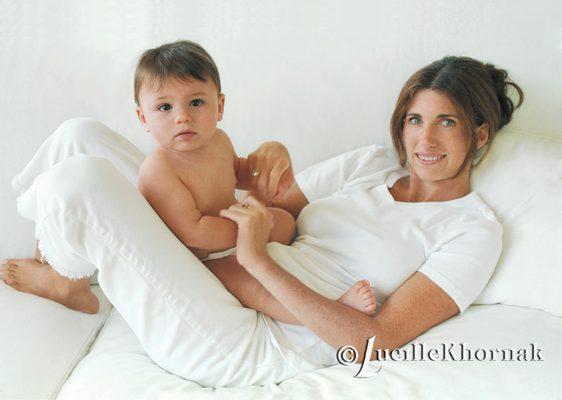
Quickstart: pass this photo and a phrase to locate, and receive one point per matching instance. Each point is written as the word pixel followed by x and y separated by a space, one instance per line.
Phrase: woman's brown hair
pixel 478 90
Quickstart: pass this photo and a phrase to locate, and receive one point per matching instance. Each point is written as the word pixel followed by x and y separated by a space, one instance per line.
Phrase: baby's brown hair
pixel 184 60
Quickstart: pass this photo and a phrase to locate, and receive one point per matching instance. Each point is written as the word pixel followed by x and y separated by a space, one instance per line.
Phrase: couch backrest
pixel 320 76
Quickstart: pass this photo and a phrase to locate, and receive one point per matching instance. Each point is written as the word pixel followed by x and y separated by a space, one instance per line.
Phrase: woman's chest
pixel 369 236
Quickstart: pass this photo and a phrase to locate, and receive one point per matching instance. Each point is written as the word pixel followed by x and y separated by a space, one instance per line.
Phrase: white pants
pixel 80 189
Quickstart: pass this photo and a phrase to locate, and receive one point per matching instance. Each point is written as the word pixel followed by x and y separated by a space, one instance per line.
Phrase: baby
pixel 193 172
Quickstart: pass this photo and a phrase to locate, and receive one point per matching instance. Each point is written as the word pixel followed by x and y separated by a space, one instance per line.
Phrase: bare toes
pixel 10 274
pixel 23 261
pixel 359 286
pixel 365 291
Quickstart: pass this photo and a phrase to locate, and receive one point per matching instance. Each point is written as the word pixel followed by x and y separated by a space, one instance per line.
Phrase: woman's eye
pixel 414 120
pixel 196 103
pixel 448 123
pixel 164 107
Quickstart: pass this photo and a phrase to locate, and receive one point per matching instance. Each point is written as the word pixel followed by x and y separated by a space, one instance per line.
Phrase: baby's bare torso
pixel 209 176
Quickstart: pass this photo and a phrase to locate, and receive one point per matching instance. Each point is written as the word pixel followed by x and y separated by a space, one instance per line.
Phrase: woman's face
pixel 435 138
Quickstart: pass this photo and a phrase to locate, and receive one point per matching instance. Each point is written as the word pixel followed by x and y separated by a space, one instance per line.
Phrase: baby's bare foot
pixel 361 297
pixel 30 276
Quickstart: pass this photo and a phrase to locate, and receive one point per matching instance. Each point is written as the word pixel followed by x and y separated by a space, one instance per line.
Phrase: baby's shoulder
pixel 223 139
pixel 155 163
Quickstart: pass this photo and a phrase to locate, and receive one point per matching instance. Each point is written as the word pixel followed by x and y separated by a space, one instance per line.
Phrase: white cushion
pixel 118 368
pixel 41 342
pixel 521 180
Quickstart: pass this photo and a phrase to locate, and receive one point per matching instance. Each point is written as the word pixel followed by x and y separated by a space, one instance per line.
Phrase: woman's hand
pixel 255 222
pixel 271 172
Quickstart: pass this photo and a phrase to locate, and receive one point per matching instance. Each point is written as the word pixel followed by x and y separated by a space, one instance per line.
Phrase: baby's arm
pixel 174 203
pixel 284 226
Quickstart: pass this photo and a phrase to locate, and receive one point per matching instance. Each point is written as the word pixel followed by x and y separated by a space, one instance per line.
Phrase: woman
pixel 434 242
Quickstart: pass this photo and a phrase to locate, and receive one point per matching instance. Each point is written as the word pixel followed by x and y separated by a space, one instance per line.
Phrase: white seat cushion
pixel 41 342
pixel 118 368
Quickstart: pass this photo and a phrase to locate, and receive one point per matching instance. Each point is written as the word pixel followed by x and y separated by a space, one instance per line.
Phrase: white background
pixel 320 76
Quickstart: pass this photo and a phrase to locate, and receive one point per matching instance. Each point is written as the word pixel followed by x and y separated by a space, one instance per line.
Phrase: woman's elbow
pixel 376 340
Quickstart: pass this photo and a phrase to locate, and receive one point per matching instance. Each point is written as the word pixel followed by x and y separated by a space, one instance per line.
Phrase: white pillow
pixel 521 180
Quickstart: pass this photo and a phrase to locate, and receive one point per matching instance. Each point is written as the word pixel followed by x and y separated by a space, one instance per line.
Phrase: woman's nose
pixel 428 137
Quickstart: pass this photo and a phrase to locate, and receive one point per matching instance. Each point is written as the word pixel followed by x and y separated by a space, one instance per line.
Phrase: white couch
pixel 322 77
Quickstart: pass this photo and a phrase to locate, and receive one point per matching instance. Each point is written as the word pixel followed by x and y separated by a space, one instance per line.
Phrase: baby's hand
pixel 255 222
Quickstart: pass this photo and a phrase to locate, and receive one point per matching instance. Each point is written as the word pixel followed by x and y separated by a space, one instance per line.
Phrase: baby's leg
pixel 249 292
pixel 284 226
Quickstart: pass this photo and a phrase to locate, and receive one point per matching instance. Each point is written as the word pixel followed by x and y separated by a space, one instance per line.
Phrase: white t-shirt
pixel 354 229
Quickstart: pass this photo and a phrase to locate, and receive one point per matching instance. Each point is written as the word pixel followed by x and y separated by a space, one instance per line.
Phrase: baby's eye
pixel 447 123
pixel 415 120
pixel 164 107
pixel 196 103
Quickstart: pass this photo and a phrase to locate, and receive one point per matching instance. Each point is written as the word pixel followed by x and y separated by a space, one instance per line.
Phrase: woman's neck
pixel 411 189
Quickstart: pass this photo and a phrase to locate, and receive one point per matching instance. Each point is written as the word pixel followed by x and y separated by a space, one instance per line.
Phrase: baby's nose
pixel 183 116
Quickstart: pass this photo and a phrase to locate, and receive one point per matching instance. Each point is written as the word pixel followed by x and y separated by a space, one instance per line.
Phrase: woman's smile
pixel 430 158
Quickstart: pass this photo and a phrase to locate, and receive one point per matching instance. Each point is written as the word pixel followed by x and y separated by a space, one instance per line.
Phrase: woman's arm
pixel 412 309
pixel 416 306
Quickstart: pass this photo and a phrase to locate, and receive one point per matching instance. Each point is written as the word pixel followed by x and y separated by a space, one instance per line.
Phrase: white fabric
pixel 220 254
pixel 74 215
pixel 81 136
pixel 522 181
pixel 72 137
pixel 42 341
pixel 118 368
pixel 364 234
pixel 90 216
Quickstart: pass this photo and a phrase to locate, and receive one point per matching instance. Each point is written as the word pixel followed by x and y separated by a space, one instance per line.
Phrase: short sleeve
pixel 370 164
pixel 463 265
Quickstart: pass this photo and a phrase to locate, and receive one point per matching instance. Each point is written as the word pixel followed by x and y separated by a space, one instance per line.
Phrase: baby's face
pixel 181 116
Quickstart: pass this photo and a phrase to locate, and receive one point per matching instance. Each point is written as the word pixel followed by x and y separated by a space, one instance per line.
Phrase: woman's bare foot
pixel 361 297
pixel 31 276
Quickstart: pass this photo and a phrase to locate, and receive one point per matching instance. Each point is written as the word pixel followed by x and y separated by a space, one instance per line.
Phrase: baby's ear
pixel 142 118
pixel 221 105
